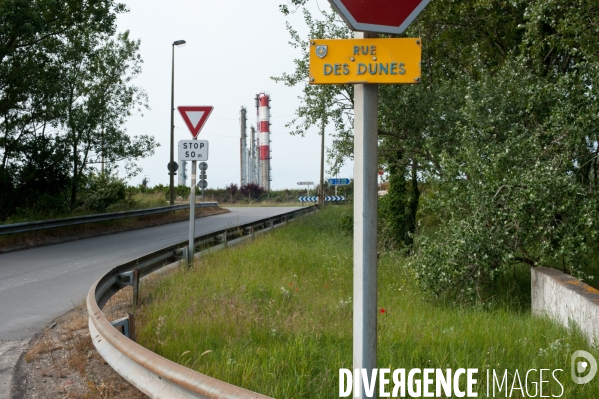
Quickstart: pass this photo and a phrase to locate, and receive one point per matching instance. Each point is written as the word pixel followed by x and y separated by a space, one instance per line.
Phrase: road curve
pixel 39 284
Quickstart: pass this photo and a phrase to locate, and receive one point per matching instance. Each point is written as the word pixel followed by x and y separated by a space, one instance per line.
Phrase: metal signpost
pixel 366 62
pixel 193 150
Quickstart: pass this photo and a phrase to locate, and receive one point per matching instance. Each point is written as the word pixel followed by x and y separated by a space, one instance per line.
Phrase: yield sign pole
pixel 366 98
pixel 192 212
pixel 195 118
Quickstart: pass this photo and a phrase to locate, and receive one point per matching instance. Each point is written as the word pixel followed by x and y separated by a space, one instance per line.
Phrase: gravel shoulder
pixel 62 362
pixel 10 351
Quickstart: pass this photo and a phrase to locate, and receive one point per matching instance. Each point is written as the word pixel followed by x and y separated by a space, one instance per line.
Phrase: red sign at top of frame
pixel 379 16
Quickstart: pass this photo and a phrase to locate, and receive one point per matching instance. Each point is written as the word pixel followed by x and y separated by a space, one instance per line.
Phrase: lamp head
pixel 179 43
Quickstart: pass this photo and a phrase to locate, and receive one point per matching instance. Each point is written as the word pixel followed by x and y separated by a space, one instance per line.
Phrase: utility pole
pixel 322 126
pixel 171 165
pixel 172 155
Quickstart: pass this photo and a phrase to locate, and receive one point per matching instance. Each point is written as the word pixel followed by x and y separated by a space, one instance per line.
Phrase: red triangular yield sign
pixel 195 117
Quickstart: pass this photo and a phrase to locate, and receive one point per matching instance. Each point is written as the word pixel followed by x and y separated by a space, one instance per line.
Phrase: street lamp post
pixel 171 168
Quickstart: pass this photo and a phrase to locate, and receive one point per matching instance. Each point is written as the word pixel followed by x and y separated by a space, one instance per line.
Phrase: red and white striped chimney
pixel 264 138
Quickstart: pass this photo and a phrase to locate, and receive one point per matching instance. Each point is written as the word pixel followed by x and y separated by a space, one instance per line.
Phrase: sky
pixel 233 49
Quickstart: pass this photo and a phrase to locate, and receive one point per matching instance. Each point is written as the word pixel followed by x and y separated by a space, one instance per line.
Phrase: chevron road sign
pixel 326 199
pixel 344 181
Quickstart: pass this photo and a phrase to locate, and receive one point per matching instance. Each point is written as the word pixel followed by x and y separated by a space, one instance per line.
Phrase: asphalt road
pixel 39 284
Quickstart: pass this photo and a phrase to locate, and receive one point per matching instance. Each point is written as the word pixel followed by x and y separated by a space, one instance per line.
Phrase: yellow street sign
pixel 381 61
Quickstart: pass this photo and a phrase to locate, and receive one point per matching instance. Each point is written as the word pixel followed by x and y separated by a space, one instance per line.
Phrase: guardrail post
pixel 124 279
pixel 123 326
pixel 181 253
pixel 135 287
pixel 188 254
pixel 252 232
pixel 225 238
pixel 131 319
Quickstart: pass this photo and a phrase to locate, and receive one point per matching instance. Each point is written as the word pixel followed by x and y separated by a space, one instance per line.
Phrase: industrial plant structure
pixel 255 155
pixel 182 173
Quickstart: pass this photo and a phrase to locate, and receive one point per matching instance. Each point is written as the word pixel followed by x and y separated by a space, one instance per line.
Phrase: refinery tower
pixel 255 150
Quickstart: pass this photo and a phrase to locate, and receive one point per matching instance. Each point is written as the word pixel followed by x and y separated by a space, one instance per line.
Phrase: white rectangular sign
pixel 193 150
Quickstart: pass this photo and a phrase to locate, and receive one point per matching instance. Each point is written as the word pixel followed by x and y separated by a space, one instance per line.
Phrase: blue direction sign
pixel 339 181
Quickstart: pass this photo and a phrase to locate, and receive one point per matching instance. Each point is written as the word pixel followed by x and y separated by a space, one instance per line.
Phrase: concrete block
pixel 566 299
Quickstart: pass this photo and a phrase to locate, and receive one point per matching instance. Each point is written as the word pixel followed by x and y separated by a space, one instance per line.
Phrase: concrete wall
pixel 565 298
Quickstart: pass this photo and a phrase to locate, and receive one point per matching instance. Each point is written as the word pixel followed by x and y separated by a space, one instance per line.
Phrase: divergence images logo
pixel 579 367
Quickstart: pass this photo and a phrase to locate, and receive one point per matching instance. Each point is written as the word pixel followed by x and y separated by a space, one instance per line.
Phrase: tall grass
pixel 275 317
pixel 149 200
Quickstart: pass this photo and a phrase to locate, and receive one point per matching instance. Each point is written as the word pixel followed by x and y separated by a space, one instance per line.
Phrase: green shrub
pixel 104 191
pixel 346 222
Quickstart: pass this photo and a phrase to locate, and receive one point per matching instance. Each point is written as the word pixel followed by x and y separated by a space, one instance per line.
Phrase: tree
pixel 29 84
pixel 515 174
pixel 252 190
pixel 65 81
pixel 96 97
pixel 232 189
pixel 321 105
pixel 503 130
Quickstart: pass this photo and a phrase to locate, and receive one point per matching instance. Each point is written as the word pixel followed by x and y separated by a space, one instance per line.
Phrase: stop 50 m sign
pixel 193 150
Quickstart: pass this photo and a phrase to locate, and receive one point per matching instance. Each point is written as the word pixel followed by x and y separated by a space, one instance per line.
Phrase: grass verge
pixel 275 317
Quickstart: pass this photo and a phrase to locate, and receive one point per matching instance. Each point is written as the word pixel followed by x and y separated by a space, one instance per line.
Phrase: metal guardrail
pixel 152 374
pixel 72 221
